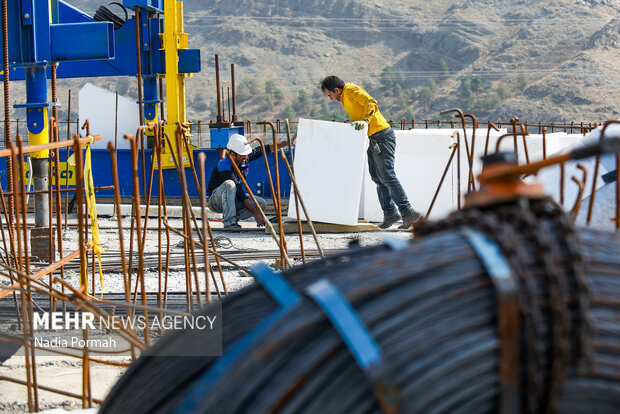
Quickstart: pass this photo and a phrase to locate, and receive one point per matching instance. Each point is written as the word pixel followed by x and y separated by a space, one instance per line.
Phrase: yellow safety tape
pixel 92 209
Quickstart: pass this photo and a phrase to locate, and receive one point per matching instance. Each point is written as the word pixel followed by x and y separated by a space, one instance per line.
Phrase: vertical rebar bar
pixel 7 106
pixel 136 202
pixel 205 221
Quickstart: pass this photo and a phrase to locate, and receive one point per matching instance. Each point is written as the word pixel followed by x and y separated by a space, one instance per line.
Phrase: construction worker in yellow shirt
pixel 363 110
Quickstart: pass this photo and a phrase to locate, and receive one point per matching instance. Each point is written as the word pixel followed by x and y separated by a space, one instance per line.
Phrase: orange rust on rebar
pixel 39 274
pixel 524 134
pixel 582 185
pixel 187 209
pixel 30 312
pixel 596 168
pixel 443 176
pixel 292 172
pixel 117 205
pixel 205 221
pixel 217 258
pixel 486 145
pixel 42 147
pixel 297 193
pixel 277 185
pixel 49 389
pixel 283 254
pixel 136 201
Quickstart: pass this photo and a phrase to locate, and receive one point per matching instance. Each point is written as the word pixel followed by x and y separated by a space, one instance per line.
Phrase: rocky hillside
pixel 551 61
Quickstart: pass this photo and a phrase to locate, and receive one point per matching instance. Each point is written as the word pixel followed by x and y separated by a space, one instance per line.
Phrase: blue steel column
pixel 38 133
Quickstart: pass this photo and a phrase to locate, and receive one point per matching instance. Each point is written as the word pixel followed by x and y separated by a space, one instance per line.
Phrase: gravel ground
pixel 66 373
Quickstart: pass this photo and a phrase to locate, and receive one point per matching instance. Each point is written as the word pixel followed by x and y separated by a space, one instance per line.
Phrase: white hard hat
pixel 239 144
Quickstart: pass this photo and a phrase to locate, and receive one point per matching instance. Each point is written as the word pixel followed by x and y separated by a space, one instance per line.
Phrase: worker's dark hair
pixel 332 82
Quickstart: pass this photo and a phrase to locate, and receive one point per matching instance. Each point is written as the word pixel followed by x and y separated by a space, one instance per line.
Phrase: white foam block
pixel 550 177
pixel 420 160
pixel 98 105
pixel 329 164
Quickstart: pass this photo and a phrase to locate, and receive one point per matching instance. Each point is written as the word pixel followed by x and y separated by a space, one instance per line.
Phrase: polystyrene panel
pixel 97 105
pixel 421 158
pixel 329 163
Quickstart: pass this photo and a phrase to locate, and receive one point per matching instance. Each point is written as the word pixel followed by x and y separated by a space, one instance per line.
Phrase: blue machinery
pixel 46 33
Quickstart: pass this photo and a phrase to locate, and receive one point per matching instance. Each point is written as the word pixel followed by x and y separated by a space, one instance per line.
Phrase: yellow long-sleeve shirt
pixel 360 106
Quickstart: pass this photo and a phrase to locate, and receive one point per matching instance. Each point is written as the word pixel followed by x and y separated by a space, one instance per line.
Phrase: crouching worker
pixel 225 192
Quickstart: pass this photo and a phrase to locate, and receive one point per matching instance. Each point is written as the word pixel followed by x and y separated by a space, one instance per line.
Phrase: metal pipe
pixel 524 133
pixel 139 63
pixel 187 206
pixel 458 170
pixel 303 206
pixel 513 122
pixel 582 185
pixel 7 105
pixel 25 296
pixel 136 200
pixel 203 204
pixel 219 118
pixel 596 168
pixel 270 179
pixel 67 158
pixel 229 112
pixel 472 180
pixel 234 92
pixel 176 163
pixel 121 241
pixel 42 147
pixel 445 171
pixel 191 212
pixel 299 226
pixel 486 145
pixel 10 265
pixel 257 205
pixel 277 184
pixel 544 142
pixel 49 389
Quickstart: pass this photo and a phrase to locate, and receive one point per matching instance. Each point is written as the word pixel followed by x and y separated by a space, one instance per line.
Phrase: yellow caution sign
pixel 92 209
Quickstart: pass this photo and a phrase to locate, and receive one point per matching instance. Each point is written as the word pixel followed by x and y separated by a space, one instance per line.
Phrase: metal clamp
pixel 279 289
pixel 508 318
pixel 284 295
pixel 358 340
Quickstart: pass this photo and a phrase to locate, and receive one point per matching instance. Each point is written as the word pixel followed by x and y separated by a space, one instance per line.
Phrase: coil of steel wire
pixel 432 309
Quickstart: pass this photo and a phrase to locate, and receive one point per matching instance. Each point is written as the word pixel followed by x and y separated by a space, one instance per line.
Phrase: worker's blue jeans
pixel 381 167
pixel 224 200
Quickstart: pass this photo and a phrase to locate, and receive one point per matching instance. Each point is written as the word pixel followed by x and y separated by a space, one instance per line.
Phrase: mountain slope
pixel 552 61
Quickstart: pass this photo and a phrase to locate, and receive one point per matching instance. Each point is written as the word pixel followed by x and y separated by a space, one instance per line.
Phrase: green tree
pixel 432 85
pixel 302 102
pixel 270 87
pixel 289 113
pixel 501 90
pixel 476 84
pixel 488 102
pixel 266 103
pixel 387 77
pixel 443 67
pixel 278 94
pixel 522 82
pixel 248 88
pixel 409 115
pixel 426 96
